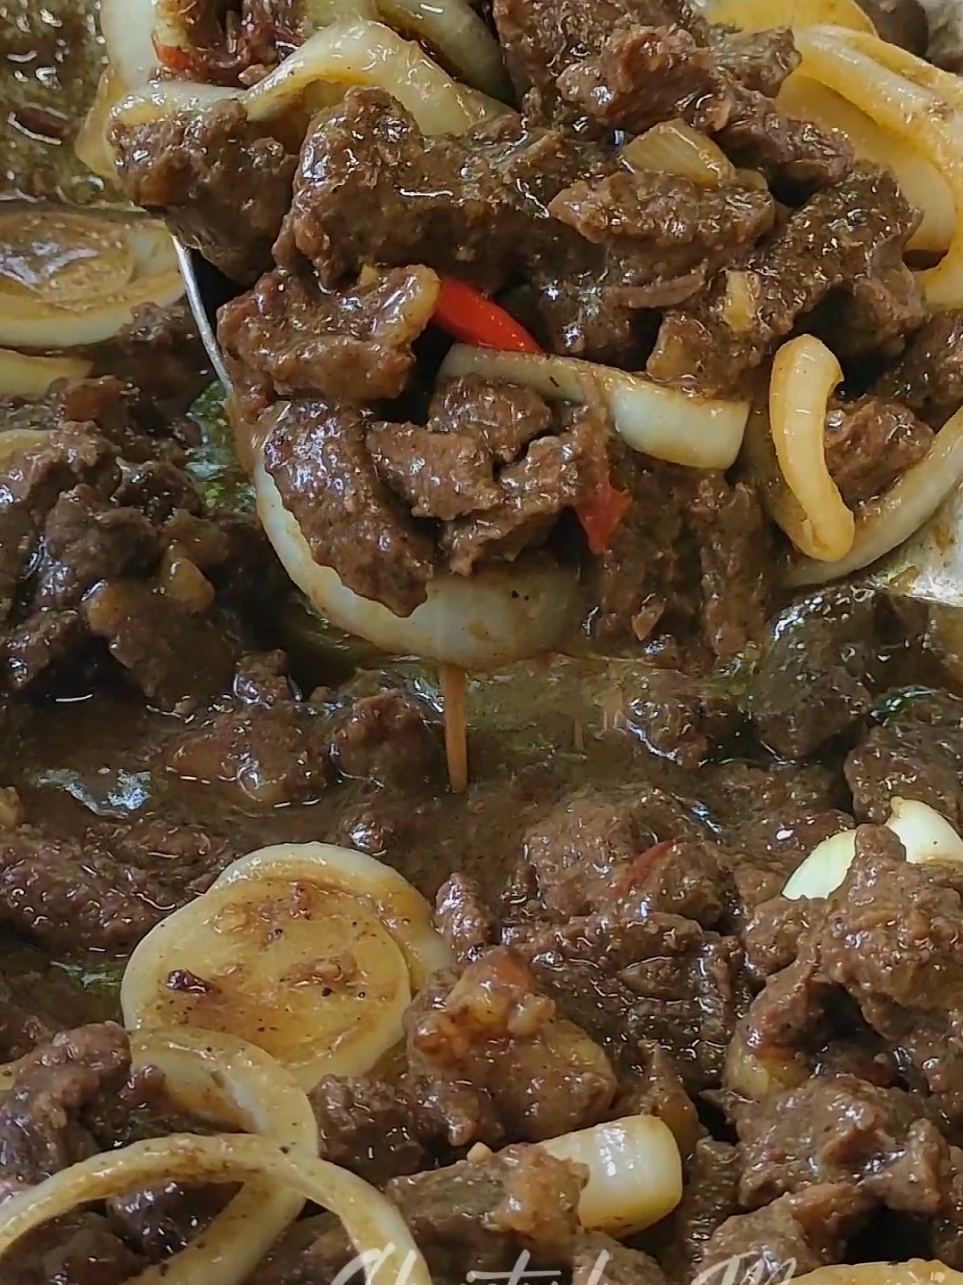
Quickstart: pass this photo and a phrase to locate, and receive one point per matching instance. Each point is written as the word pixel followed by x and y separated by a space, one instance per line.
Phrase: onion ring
pixel 452 29
pixel 30 377
pixel 374 1225
pixel 916 1271
pixel 804 374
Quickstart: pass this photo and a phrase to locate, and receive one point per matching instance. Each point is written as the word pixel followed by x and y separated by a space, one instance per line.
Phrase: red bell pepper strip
pixel 471 317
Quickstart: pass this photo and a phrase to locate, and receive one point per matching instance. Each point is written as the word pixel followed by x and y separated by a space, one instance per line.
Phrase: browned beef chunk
pixel 160 353
pixel 844 1130
pixel 873 315
pixel 319 461
pixel 654 1088
pixel 710 1195
pixel 798 1233
pixel 839 236
pixel 222 183
pixel 80 1250
pixel 683 234
pixel 599 1260
pixel 870 443
pixel 811 683
pixel 466 922
pixel 772 936
pixel 504 417
pixel 916 754
pixel 490 1036
pixel 929 376
pixel 885 910
pixel 375 1128
pixel 347 346
pixel 679 719
pixel 797 157
pixel 385 739
pixel 946 1229
pixel 759 60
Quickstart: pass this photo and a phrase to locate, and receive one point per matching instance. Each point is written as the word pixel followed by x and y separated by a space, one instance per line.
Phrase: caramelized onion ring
pixel 916 1271
pixel 804 374
pixel 760 15
pixel 30 377
pixel 899 514
pixel 919 116
pixel 374 1225
pixel 666 423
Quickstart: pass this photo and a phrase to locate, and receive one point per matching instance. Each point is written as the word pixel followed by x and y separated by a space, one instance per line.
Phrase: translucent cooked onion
pixel 455 32
pixel 925 834
pixel 907 505
pixel 400 907
pixel 917 115
pixel 635 1172
pixel 231 1084
pixel 369 53
pixel 945 84
pixel 916 1271
pixel 307 973
pixel 373 1224
pixel 804 374
pixel 922 185
pixel 760 15
pixel 128 30
pixel 673 147
pixel 72 278
pixel 91 145
pixel 665 423
pixel 30 377
pixel 753 1076
pixel 485 621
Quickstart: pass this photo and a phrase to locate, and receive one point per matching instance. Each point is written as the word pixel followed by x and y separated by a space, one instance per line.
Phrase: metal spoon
pixel 928 567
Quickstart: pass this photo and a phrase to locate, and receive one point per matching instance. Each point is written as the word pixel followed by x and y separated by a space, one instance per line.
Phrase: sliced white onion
pixel 635 1172
pixel 673 147
pixel 30 377
pixel 804 374
pixel 128 30
pixel 916 1271
pixel 309 974
pixel 760 15
pixel 162 98
pixel 374 1225
pixel 485 621
pixel 921 117
pixel 452 29
pixel 925 834
pixel 824 869
pixel 371 54
pixel 946 85
pixel 231 1084
pixel 753 1076
pixel 399 906
pixel 666 423
pixel 91 145
pixel 899 514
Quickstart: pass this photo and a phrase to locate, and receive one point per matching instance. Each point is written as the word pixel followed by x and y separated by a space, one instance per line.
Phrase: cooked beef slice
pixel 838 237
pixel 680 719
pixel 463 918
pixel 160 353
pixel 710 1195
pixel 372 1126
pixel 222 182
pixel 810 684
pixel 654 1088
pixel 387 740
pixel 488 1035
pixel 82 1249
pixel 599 1260
pixel 344 346
pixel 917 754
pixel 318 459
pixel 771 937
pixel 928 377
pixel 870 443
pixel 503 417
pixel 883 952
pixel 843 1130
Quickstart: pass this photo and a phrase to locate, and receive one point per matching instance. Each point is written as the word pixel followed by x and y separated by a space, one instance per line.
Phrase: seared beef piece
pixel 490 1036
pixel 345 346
pixel 32 482
pixel 885 910
pixel 642 75
pixel 710 1195
pixel 679 719
pixel 448 469
pixel 221 181
pixel 20 1030
pixel 771 937
pixel 677 877
pixel 759 60
pixel 160 353
pixel 599 1260
pixel 176 657
pixel 811 682
pixel 806 1230
pixel 660 978
pixel 374 1128
pixel 161 1221
pixel 67 895
pixel 873 315
pixel 319 461
pixel 43 1124
pixel 385 739
pixel 946 1229
pixel 45 641
pixel 869 444
pixel 654 1088
pixel 916 754
pixel 837 237
pixel 561 471
pixel 900 22
pixel 81 1249
pixel 797 157
pixel 589 843
pixel 843 1130
pixel 683 234
pixel 467 924
pixel 929 376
